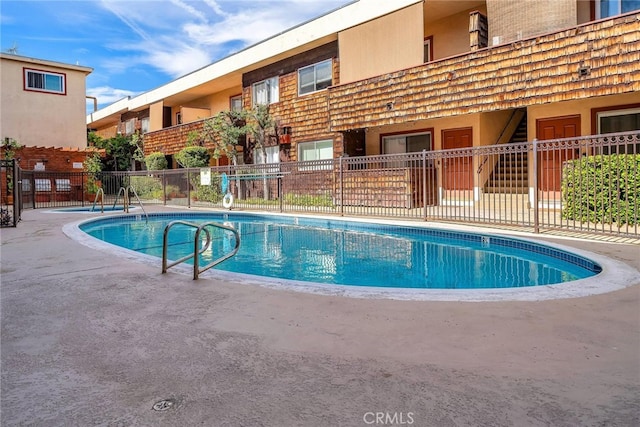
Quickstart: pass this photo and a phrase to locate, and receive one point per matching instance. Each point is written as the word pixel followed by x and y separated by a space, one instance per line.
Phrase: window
pixel 44 81
pixel 406 143
pixel 266 92
pixel 315 150
pixel 619 121
pixel 273 155
pixel 129 126
pixel 235 103
pixel 144 125
pixel 314 77
pixel 607 8
pixel 428 49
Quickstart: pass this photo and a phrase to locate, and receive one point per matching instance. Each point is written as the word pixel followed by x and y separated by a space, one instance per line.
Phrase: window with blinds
pixel 44 81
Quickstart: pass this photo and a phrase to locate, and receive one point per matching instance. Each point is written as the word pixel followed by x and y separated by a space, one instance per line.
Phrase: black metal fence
pixel 587 184
pixel 9 209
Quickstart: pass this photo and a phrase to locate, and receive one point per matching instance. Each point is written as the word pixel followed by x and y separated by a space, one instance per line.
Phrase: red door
pixel 457 172
pixel 550 162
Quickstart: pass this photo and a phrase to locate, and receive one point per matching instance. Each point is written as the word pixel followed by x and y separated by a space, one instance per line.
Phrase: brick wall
pixel 53 159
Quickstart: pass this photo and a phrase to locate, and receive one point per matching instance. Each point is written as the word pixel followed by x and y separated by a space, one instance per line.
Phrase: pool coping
pixel 73 210
pixel 615 274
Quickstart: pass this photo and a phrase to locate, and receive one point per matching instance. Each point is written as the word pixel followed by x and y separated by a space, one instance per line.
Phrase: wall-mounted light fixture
pixel 285 135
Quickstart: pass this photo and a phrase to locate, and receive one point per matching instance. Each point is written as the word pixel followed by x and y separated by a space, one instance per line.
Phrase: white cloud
pixel 179 60
pixel 260 24
pixel 108 95
pixel 215 7
pixel 177 37
pixel 6 20
pixel 190 9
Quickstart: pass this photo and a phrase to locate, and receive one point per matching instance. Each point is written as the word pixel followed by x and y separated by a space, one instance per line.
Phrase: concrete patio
pixel 93 339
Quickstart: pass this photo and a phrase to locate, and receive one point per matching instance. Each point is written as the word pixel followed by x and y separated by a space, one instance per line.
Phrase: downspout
pixel 95 102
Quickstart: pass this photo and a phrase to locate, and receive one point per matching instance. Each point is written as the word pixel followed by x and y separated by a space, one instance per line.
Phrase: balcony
pixel 596 59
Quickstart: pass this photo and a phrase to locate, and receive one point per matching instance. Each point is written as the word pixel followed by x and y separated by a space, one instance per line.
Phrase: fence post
pixel 279 177
pixel 164 187
pixel 536 209
pixel 341 186
pixel 424 183
pixel 188 188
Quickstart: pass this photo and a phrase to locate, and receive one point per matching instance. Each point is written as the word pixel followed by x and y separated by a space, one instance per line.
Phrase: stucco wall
pixel 582 108
pixel 155 116
pixel 516 19
pixel 38 118
pixel 390 43
pixel 220 101
pixel 451 34
pixel 373 142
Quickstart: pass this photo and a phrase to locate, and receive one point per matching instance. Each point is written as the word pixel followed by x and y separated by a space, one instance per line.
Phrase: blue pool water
pixel 353 253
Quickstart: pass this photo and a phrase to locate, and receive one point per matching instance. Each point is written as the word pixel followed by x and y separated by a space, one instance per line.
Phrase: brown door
pixel 457 172
pixel 550 162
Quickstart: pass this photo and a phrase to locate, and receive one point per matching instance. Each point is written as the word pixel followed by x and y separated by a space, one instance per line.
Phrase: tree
pixel 120 150
pixel 94 140
pixel 261 127
pixel 223 131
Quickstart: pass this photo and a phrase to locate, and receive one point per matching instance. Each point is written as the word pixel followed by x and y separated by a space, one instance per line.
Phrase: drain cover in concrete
pixel 163 405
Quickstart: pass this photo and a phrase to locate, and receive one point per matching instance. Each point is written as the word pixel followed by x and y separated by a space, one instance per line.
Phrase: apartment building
pixel 379 77
pixel 43 102
pixel 44 109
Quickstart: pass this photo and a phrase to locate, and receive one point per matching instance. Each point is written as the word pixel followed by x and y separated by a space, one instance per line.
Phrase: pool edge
pixel 615 275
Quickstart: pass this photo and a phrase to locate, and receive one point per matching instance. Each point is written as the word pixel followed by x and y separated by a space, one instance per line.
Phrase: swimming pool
pixel 357 254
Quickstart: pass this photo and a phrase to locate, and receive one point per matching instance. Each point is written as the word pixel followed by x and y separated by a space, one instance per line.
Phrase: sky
pixel 137 45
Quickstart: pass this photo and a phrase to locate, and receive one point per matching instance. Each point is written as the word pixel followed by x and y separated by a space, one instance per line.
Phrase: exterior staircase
pixel 510 174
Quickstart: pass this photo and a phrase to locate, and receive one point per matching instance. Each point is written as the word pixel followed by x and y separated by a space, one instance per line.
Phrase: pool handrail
pixel 125 200
pixel 98 193
pixel 196 261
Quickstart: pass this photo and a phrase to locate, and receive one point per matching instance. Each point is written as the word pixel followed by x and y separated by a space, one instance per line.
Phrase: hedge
pixel 602 189
pixel 193 157
pixel 156 161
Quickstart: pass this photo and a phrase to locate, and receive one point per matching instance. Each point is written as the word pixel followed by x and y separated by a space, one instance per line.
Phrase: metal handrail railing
pixel 133 190
pixel 98 193
pixel 196 251
pixel 126 201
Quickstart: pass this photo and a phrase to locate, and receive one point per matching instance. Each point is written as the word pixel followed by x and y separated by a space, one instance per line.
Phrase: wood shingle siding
pixel 171 140
pixel 539 70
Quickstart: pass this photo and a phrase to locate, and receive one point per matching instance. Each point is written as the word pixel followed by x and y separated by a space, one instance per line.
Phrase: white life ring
pixel 227 201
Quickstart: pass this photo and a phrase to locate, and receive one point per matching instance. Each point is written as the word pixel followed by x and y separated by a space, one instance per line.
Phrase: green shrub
pixel 308 199
pixel 206 193
pixel 193 157
pixel 147 187
pixel 602 189
pixel 93 167
pixel 156 161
